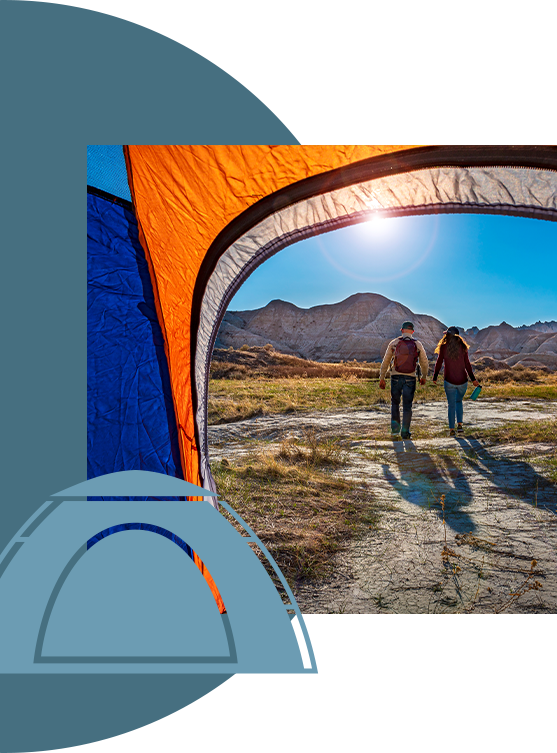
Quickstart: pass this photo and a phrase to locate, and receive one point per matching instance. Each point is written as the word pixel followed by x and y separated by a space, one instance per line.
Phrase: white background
pixel 403 73
pixel 480 72
pixel 393 683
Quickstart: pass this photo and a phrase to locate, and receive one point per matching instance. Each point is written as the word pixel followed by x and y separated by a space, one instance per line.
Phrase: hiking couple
pixel 409 362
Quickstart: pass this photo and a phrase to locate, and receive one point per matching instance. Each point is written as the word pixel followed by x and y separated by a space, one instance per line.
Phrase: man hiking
pixel 405 353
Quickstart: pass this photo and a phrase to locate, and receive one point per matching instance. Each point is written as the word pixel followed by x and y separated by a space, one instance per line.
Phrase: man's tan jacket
pixel 390 352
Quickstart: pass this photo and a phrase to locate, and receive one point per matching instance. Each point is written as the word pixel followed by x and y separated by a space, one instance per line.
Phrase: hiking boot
pixel 452 432
pixel 406 435
pixel 460 430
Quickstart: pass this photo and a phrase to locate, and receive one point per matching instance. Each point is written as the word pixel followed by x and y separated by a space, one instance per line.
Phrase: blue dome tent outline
pixel 136 602
pixel 228 654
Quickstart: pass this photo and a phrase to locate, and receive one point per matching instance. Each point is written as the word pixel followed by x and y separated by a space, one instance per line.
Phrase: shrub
pixel 519 373
pixel 315 451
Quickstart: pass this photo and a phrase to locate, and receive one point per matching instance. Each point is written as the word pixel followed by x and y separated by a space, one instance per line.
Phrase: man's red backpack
pixel 406 356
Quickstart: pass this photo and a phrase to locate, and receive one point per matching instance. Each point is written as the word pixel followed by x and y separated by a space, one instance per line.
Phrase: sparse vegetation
pixel 549 467
pixel 523 432
pixel 297 494
pixel 528 585
pixel 232 399
pixel 517 374
pixel 254 362
pixel 300 509
pixel 260 381
pixel 313 452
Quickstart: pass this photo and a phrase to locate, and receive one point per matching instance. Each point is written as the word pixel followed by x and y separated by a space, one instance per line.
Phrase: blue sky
pixel 464 269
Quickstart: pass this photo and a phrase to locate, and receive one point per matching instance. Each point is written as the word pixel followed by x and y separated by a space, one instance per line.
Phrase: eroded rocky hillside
pixel 361 326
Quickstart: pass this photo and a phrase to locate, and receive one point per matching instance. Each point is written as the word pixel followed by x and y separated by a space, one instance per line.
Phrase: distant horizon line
pixel 380 295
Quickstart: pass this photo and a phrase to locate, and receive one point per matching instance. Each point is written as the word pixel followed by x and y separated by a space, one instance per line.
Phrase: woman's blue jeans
pixel 455 393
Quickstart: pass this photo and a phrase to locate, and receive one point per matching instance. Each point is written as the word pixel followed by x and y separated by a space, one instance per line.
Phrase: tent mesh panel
pixel 106 169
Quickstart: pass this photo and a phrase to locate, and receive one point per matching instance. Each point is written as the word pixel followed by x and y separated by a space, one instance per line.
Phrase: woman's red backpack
pixel 406 356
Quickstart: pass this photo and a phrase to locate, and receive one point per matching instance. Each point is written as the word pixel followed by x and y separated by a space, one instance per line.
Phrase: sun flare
pixel 377 225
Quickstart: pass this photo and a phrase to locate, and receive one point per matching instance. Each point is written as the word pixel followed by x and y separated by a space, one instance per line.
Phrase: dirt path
pixel 500 513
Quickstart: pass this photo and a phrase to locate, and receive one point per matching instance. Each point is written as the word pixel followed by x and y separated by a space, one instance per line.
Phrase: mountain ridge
pixel 361 326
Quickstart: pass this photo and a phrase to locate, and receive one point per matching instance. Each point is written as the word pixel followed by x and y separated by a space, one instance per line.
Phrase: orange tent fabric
pixel 210 582
pixel 184 196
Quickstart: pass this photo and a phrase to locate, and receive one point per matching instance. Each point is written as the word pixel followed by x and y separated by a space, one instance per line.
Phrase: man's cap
pixel 451 331
pixel 407 325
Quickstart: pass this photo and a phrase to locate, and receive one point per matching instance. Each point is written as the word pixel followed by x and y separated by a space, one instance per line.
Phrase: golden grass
pixel 522 432
pixel 231 399
pixel 295 503
pixel 293 497
pixel 518 374
pixel 301 369
pixel 235 399
pixel 545 389
pixel 256 362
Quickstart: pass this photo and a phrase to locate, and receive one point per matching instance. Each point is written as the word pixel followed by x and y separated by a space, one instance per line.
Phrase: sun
pixel 377 226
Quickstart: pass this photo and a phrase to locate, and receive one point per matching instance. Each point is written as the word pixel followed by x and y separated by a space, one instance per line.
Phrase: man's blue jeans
pixel 405 387
pixel 455 393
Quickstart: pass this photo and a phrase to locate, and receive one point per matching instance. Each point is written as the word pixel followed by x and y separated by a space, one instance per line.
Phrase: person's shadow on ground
pixel 515 478
pixel 423 479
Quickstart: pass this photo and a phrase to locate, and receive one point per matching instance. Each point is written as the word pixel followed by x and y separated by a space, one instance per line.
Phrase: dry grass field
pixel 259 381
pixel 305 459
pixel 301 509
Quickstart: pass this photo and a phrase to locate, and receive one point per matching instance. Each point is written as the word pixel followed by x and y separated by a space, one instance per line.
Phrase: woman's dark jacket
pixel 457 370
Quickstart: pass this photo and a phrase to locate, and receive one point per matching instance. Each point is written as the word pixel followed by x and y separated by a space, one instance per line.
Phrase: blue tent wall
pixel 130 415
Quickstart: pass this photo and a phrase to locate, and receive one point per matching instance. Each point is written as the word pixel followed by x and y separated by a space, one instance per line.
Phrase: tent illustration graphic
pixel 105 586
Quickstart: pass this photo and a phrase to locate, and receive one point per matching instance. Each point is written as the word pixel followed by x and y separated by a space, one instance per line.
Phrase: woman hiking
pixel 453 352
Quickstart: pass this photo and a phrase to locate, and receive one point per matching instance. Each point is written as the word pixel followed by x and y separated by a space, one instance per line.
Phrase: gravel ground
pixel 500 513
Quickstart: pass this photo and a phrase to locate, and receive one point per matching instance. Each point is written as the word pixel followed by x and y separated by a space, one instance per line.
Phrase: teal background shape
pixel 44 444
pixel 65 92
pixel 55 711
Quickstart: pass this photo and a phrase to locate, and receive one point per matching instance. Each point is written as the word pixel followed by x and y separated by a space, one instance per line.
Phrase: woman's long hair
pixel 455 345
